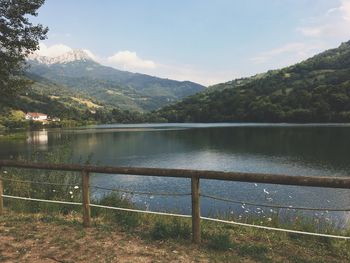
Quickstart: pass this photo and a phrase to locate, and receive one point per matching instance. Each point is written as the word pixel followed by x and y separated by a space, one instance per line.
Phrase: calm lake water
pixel 316 150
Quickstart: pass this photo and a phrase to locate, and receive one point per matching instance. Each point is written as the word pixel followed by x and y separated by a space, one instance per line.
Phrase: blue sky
pixel 207 41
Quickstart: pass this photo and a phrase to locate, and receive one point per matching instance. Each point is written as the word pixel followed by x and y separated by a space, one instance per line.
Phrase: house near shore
pixel 36 116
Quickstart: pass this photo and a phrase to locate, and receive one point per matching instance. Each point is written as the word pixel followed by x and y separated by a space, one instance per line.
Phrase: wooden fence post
pixel 196 229
pixel 86 199
pixel 1 198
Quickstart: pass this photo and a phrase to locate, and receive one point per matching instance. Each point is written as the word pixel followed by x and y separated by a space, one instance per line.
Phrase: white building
pixel 36 116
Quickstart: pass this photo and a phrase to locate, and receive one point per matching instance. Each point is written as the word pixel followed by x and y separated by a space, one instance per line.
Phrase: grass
pixel 152 239
pixel 140 236
pixel 86 102
pixel 220 242
pixel 176 229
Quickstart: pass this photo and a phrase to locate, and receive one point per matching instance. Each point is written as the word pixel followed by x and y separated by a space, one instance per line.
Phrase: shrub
pixel 220 241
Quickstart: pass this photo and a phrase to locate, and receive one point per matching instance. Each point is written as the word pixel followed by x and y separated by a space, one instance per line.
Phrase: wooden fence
pixel 194 175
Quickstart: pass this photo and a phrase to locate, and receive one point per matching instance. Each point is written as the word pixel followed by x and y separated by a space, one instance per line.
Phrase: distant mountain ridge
pixel 314 90
pixel 78 71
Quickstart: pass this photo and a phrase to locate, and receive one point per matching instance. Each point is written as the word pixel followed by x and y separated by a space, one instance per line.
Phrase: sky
pixel 205 41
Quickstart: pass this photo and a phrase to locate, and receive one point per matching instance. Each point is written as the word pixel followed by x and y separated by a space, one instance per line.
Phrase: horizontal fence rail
pixel 313 181
pixel 194 175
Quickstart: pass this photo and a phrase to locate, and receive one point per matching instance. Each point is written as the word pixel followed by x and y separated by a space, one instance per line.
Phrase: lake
pixel 315 150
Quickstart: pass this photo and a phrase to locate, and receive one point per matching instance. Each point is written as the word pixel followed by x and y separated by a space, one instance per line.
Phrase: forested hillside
pixel 72 107
pixel 315 90
pixel 115 88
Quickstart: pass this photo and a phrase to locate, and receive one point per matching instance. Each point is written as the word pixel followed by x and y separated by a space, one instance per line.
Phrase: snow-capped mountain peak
pixel 74 55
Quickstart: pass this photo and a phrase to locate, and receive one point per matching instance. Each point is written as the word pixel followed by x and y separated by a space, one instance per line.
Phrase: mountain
pixel 78 71
pixel 315 90
pixel 62 59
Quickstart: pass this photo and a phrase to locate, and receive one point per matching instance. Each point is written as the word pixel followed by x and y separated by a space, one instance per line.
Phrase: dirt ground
pixel 43 238
pixel 38 241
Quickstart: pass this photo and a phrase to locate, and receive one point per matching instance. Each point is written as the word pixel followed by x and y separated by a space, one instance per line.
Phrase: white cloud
pixel 128 60
pixel 195 74
pixel 290 53
pixel 91 55
pixel 52 51
pixel 334 23
pixel 319 33
pixel 345 9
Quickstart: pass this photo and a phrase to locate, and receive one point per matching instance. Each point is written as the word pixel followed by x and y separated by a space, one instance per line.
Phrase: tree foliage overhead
pixel 18 38
pixel 315 90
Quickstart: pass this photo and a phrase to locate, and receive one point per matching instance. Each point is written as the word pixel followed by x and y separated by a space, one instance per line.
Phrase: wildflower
pixel 70 192
pixel 76 187
pixel 54 190
pixel 5 172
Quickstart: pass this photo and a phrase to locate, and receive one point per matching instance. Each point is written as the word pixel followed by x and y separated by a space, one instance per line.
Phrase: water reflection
pixel 39 139
pixel 284 149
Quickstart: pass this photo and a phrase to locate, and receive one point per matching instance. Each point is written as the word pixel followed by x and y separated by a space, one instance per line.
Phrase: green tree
pixel 18 38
